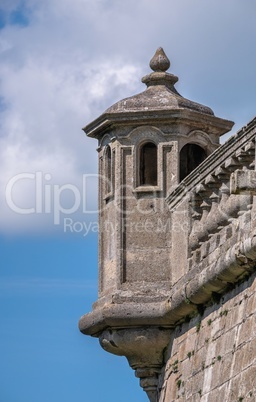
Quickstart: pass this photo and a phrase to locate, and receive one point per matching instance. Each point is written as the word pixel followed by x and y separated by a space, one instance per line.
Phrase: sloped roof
pixel 159 102
pixel 160 94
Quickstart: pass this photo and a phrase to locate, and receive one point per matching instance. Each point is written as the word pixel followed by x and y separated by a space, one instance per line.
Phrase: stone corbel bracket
pixel 143 348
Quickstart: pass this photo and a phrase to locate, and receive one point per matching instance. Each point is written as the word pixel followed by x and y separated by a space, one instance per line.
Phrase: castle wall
pixel 213 357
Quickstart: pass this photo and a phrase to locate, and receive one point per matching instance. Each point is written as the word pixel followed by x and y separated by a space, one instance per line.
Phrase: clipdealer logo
pixel 47 198
pixel 52 198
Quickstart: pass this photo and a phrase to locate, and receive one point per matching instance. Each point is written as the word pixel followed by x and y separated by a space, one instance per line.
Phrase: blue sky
pixel 46 283
pixel 62 63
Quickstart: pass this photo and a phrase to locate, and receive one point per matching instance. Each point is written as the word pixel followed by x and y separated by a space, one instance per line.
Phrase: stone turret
pixel 147 144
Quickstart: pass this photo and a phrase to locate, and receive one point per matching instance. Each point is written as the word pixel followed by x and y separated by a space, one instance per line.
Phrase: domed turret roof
pixel 159 104
pixel 160 93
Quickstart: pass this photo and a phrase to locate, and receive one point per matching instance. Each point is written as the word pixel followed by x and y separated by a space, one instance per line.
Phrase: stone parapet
pixel 218 197
pixel 237 152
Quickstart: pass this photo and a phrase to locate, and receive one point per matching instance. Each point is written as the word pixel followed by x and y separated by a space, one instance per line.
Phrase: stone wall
pixel 212 357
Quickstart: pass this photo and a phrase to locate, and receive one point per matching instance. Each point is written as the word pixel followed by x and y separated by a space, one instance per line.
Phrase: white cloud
pixel 48 102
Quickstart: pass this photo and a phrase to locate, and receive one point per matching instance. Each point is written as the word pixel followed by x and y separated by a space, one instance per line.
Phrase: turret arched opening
pixel 108 166
pixel 148 164
pixel 191 155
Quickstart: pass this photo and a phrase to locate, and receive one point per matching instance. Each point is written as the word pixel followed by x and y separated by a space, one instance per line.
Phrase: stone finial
pixel 159 64
pixel 159 61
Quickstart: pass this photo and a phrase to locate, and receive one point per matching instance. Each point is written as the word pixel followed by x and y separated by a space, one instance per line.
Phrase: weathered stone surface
pixel 243 182
pixel 170 251
pixel 159 61
pixel 215 360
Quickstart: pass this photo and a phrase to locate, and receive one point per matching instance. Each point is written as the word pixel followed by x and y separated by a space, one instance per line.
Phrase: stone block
pixel 243 182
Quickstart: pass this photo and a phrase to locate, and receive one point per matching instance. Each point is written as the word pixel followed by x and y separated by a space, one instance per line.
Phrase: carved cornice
pixel 216 125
